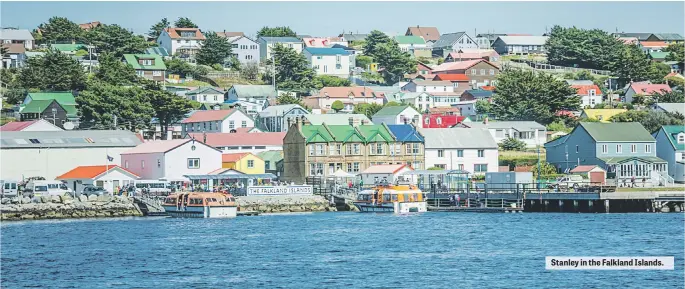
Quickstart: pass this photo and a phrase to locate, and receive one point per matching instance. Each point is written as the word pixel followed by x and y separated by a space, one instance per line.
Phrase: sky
pixel 332 18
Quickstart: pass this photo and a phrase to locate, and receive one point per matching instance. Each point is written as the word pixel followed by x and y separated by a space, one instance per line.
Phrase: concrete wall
pixel 148 166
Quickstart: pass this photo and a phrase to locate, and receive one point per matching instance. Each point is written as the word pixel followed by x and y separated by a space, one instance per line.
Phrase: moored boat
pixel 392 199
pixel 200 205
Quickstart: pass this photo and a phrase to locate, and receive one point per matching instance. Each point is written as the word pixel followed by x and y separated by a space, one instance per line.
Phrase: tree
pixel 288 98
pixel 395 63
pixel 558 126
pixel 337 105
pixel 116 40
pixel 392 103
pixel 535 96
pixel 321 81
pixel 583 75
pixel 292 70
pixel 545 169
pixel 368 109
pixel 630 64
pixel 658 72
pixel 676 52
pixel 102 103
pixel 184 22
pixel 674 96
pixel 652 120
pixel 483 107
pixel 283 31
pixel 675 81
pixel 582 48
pixel 156 29
pixel 372 77
pixel 375 39
pixel 250 70
pixel 215 50
pixel 168 107
pixel 183 69
pixel 13 95
pixel 59 29
pixel 53 71
pixel 363 61
pixel 113 71
pixel 512 144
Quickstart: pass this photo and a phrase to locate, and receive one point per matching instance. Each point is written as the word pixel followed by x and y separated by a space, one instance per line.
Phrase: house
pixel 244 49
pixel 477 94
pixel 390 174
pixel 171 159
pixel 14 56
pixel 243 162
pixel 466 107
pixel 423 69
pixel 657 56
pixel 472 54
pixel 665 37
pixel 670 107
pixel 590 95
pixel 645 89
pixel 505 45
pixel 638 36
pixel 472 150
pixel 529 132
pixel 602 114
pixel 402 114
pixel 479 71
pixel 206 94
pixel 429 34
pixel 230 34
pixel 266 45
pixel 353 119
pixel 594 174
pixel 453 42
pixel 442 118
pixel 184 42
pixel 17 36
pixel 148 66
pixel 259 94
pixel 215 121
pixel 352 53
pixel 321 150
pixel 349 96
pixel 242 141
pixel 276 118
pixel 414 45
pixel 353 38
pixel 652 46
pixel 161 51
pixel 56 107
pixel 460 82
pixel 49 154
pixel 429 86
pixel 71 48
pixel 624 149
pixel 329 61
pixel 421 100
pixel 108 177
pixel 32 125
pixel 485 40
pixel 670 146
pixel 273 162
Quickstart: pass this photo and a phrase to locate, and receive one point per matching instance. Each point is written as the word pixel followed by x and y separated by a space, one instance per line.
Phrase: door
pixel 115 184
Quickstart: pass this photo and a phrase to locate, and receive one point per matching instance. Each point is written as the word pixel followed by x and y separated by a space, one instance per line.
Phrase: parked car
pixel 566 182
pixel 93 190
pixel 9 188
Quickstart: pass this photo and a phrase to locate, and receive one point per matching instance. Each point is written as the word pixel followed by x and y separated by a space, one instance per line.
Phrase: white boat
pixel 200 205
pixel 399 199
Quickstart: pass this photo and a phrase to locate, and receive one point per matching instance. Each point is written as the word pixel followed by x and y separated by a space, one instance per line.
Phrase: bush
pixel 512 144
pixel 337 105
pixel 217 67
pixel 201 70
pixel 545 169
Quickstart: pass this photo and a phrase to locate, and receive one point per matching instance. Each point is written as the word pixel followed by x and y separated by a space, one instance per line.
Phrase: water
pixel 332 250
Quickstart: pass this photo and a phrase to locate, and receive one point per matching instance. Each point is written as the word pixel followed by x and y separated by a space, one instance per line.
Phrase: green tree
pixel 281 31
pixel 116 40
pixel 184 22
pixel 483 107
pixel 545 168
pixel 53 71
pixel 337 106
pixel 372 77
pixel 676 52
pixel 652 120
pixel 215 50
pixel 59 29
pixel 658 72
pixel 528 95
pixel 363 61
pixel 558 126
pixel 674 81
pixel 368 109
pixel 102 103
pixel 179 67
pixel 250 70
pixel 674 96
pixel 113 71
pixel 630 64
pixel 582 48
pixel 13 95
pixel 512 144
pixel 292 70
pixel 156 30
pixel 375 39
pixel 583 75
pixel 287 98
pixel 394 62
pixel 321 81
pixel 168 107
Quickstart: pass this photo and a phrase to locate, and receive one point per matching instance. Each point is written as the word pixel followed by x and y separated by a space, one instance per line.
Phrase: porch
pixel 653 170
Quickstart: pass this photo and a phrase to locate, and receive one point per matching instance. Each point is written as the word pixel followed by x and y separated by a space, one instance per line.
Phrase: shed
pixel 595 174
pixel 508 181
pixel 391 173
pixel 105 176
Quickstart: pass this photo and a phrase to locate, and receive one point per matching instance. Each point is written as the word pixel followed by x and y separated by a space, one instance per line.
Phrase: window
pixel 338 66
pixel 427 120
pixel 193 163
pixel 231 124
pixel 473 72
pixel 633 148
pixel 142 164
pixel 311 149
pixel 481 153
pixel 681 138
pixel 159 163
pixel 577 148
pixel 444 88
pixel 319 150
pixel 648 148
pixel 592 92
pixel 441 153
pixel 480 168
pixel 139 72
pixel 355 167
pixel 438 120
pixel 215 98
pixel 456 84
pixel 335 149
pixel 482 72
pixel 460 153
pixel 619 148
pixel 492 72
pixel 325 68
pixel 377 149
pixel 243 123
pixel 126 164
pixel 460 166
pixel 250 164
pixel 157 73
pixel 605 149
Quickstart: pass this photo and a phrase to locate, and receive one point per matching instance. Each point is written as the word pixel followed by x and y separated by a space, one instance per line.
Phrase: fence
pixel 555 68
pixel 225 74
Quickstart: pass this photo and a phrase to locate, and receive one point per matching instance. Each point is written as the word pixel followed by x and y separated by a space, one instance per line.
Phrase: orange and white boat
pixel 392 198
pixel 200 205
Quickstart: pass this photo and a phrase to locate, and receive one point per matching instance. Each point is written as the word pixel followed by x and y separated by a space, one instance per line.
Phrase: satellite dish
pixel 68 125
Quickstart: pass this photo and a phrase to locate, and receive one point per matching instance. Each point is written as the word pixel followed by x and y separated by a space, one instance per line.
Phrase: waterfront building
pixel 670 146
pixel 624 149
pixel 247 163
pixel 321 150
pixel 31 125
pixel 216 121
pixel 109 177
pixel 377 173
pixel 529 132
pixel 242 141
pixel 49 154
pixel 467 149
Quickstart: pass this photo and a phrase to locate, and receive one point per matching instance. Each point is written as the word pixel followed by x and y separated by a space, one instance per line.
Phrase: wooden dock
pixel 476 209
pixel 247 213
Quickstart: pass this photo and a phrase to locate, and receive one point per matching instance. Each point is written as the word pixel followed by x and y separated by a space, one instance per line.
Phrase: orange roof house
pixel 109 177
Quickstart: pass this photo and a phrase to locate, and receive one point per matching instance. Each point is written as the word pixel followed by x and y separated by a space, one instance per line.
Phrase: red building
pixel 441 120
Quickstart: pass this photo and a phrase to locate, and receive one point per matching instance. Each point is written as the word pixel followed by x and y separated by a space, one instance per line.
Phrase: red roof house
pixel 646 89
pixel 440 120
pixel 31 125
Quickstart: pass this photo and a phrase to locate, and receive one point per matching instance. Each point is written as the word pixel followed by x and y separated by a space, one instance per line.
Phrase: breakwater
pixel 65 207
pixel 284 204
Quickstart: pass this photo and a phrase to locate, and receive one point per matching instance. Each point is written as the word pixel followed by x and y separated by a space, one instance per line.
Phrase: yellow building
pixel 244 162
pixel 603 114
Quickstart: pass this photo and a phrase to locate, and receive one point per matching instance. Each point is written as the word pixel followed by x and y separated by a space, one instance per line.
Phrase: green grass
pixel 230 81
pixel 191 83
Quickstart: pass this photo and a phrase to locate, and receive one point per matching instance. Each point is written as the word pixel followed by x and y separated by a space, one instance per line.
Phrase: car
pixel 93 190
pixel 566 182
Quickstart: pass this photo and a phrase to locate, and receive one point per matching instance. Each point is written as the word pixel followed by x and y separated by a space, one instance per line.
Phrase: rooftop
pixel 402 39
pixel 617 131
pixel 209 115
pixel 428 33
pixel 175 33
pixel 68 139
pixel 91 172
pixel 336 118
pixel 15 34
pixel 524 40
pixel 157 61
pixel 232 158
pixel 326 51
pixel 458 138
pixel 281 39
pixel 158 146
pixel 255 91
pixel 346 92
pixel 218 139
pixel 461 65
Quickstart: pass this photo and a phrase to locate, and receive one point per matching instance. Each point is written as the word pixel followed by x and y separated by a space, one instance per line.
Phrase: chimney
pixel 204 137
pixel 224 32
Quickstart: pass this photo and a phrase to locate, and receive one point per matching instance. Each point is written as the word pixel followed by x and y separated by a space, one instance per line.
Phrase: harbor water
pixel 334 250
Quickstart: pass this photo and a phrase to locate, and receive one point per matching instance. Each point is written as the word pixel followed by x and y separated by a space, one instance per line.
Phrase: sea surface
pixel 335 250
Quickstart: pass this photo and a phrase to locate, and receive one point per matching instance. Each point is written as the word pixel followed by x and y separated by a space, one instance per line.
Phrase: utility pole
pixel 115 121
pixel 273 73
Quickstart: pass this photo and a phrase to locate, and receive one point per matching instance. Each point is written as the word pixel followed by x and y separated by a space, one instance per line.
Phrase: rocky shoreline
pixel 66 207
pixel 284 204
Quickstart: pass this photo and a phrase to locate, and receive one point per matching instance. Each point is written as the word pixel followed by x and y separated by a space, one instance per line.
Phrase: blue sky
pixel 331 18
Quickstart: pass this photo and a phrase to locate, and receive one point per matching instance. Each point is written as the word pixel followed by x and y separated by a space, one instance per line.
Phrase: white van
pixel 50 188
pixel 153 186
pixel 9 188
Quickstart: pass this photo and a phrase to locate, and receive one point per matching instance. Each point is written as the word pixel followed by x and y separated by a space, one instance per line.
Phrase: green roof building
pixel 148 66
pixel 273 162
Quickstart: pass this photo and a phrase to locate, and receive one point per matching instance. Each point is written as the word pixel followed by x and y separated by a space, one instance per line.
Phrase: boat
pixel 397 199
pixel 200 205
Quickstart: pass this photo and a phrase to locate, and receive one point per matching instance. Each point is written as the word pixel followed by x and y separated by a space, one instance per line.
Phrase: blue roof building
pixel 472 94
pixel 405 133
pixel 326 51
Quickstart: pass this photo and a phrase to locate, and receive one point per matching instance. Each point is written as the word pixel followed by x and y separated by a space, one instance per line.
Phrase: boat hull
pixel 396 207
pixel 202 212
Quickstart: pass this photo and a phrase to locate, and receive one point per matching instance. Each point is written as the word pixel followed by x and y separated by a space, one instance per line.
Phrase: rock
pixel 92 198
pixel 82 198
pixel 56 199
pixel 5 201
pixel 25 200
pixel 67 197
pixel 16 200
pixel 67 201
pixel 44 199
pixel 104 198
pixel 36 200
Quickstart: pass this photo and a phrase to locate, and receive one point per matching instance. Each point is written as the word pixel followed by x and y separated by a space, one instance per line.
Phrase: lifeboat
pixel 397 199
pixel 200 205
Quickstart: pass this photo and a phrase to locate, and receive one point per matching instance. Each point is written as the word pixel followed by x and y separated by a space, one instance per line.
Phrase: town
pixel 95 105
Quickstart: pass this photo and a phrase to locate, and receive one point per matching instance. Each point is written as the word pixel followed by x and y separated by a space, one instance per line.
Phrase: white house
pixel 377 173
pixel 108 177
pixel 244 49
pixel 349 96
pixel 473 150
pixel 329 61
pixel 590 95
pixel 215 121
pixel 466 108
pixel 266 44
pixel 670 146
pixel 403 114
pixel 418 85
pixel 13 36
pixel 449 42
pixel 252 93
pixel 242 142
pixel 206 94
pixel 171 159
pixel 529 132
pixel 49 154
pixel 31 125
pixel 421 100
pixel 277 117
pixel 184 42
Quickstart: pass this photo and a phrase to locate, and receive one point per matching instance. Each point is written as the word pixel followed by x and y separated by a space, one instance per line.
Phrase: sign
pixel 279 191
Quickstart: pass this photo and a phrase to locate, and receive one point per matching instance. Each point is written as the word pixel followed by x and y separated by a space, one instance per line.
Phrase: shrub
pixel 512 144
pixel 337 105
pixel 217 67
